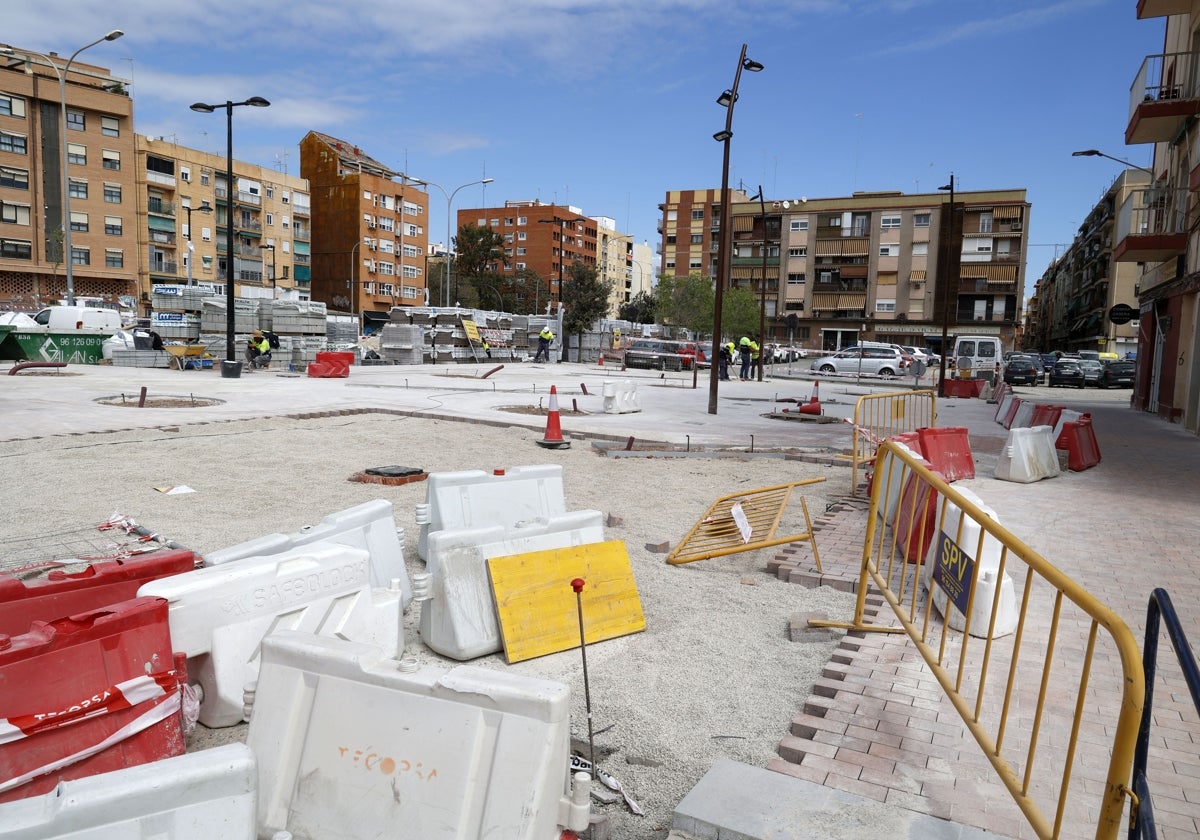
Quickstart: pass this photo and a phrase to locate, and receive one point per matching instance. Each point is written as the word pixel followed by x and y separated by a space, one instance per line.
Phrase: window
pixel 14 214
pixel 78 188
pixel 833 221
pixel 111 127
pixel 80 256
pixel 18 178
pixel 270 192
pixel 508 237
pixel 799 224
pixel 888 222
pixel 977 245
pixel 920 220
pixel 892 250
pixel 412 230
pixel 885 306
pixel 494 223
pixel 670 239
pixel 411 271
pixel 387 268
pixel 16 249
pixel 114 258
pixel 76 121
pixel 79 221
pixel 112 159
pixel 12 106
pixel 205 178
pixel 695 264
pixel 697 215
pixel 269 220
pixel 521 236
pixel 77 154
pixel 670 265
pixel 796 278
pixel 15 143
pixel 112 225
pixel 920 249
pixel 509 221
pixel 798 252
pixel 520 252
pixel 112 193
pixel 185 174
pixel 697 239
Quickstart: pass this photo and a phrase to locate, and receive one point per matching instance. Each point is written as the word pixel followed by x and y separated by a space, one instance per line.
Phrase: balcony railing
pixel 161 208
pixel 245 197
pixel 1162 96
pixel 1152 225
pixel 163 268
pixel 301 259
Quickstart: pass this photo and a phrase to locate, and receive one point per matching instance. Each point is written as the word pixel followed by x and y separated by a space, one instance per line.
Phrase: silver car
pixel 884 362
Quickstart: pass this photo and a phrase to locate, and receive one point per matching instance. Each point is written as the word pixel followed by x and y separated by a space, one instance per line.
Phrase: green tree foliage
pixel 640 309
pixel 586 297
pixel 479 250
pixel 524 292
pixel 685 302
pixel 739 313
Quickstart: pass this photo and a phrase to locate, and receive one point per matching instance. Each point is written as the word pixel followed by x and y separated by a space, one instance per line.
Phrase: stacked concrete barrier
pixel 1078 438
pixel 1028 456
pixel 621 398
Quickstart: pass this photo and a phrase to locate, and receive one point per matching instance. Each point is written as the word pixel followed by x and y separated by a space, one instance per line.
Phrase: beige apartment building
pixel 102 203
pixel 370 230
pixel 185 204
pixel 882 266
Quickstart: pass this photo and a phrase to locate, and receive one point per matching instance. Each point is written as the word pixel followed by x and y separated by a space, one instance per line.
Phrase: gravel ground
pixel 714 673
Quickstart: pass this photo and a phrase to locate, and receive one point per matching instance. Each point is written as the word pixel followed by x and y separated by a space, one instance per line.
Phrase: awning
pixel 743 223
pixel 991 273
pixel 1006 213
pixel 829 300
pixel 916 275
pixel 829 248
pixel 856 247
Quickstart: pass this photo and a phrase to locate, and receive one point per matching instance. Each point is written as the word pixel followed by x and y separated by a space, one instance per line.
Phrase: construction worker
pixel 616 344
pixel 754 353
pixel 544 338
pixel 744 356
pixel 258 350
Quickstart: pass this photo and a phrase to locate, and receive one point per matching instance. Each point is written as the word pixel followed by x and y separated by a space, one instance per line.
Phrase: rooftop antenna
pixel 281 162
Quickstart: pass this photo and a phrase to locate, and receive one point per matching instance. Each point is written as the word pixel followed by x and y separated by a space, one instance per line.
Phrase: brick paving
pixel 878 724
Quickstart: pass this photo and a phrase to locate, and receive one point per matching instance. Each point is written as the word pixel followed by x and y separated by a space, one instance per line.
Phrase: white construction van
pixel 85 318
pixel 976 356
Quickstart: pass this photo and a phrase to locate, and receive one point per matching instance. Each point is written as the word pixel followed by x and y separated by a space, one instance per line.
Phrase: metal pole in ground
pixel 577 585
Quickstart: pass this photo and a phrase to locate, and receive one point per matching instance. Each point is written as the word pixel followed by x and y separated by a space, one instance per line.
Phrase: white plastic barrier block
pixel 350 745
pixel 898 472
pixel 198 796
pixel 219 615
pixel 1028 456
pixel 474 498
pixel 1005 403
pixel 370 526
pixel 621 398
pixel 1067 415
pixel 1024 416
pixel 988 578
pixel 459 619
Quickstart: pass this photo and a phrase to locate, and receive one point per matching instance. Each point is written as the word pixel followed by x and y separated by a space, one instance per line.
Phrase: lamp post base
pixel 231 369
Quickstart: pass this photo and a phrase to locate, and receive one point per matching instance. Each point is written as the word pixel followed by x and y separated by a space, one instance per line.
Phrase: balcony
pixel 164 267
pixel 160 208
pixel 1162 97
pixel 246 197
pixel 1152 226
pixel 1162 8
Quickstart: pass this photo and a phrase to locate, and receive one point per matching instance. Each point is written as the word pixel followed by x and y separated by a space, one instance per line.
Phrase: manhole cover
pixel 158 401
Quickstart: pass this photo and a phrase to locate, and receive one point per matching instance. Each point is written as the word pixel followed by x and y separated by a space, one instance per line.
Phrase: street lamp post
pixel 230 369
pixel 274 285
pixel 449 223
pixel 727 99
pixel 762 290
pixel 66 181
pixel 1098 153
pixel 951 270
pixel 350 283
pixel 562 253
pixel 204 207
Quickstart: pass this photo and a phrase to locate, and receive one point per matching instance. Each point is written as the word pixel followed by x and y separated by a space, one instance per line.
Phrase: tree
pixel 739 313
pixel 524 292
pixel 685 302
pixel 640 309
pixel 585 296
pixel 480 252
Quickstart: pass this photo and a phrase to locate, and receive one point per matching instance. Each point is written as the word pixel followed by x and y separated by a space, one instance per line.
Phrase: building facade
pixel 370 234
pixel 872 266
pixel 185 204
pixel 100 208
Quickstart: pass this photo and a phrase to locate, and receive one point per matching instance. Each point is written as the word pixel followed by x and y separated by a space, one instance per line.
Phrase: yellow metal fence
pixel 878 417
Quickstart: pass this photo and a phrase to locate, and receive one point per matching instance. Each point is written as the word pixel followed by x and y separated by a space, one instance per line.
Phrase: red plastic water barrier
pixel 334 369
pixel 344 357
pixel 948 449
pixel 102 583
pixel 1000 390
pixel 915 520
pixel 1007 420
pixel 964 387
pixel 1079 439
pixel 87 694
pixel 1045 415
pixel 910 439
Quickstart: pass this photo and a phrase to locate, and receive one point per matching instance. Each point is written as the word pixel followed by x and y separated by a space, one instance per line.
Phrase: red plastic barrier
pixel 344 357
pixel 1007 420
pixel 1079 439
pixel 964 387
pixel 1000 390
pixel 915 520
pixel 910 439
pixel 333 369
pixel 87 694
pixel 1045 415
pixel 100 584
pixel 948 449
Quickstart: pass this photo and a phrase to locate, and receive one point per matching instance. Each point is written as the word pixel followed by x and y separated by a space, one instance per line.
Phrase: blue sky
pixel 607 104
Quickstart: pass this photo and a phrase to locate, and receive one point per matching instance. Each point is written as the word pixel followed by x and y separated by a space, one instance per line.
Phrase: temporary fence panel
pixel 350 744
pixel 878 417
pixel 203 795
pixel 219 615
pixel 459 618
pixel 1036 746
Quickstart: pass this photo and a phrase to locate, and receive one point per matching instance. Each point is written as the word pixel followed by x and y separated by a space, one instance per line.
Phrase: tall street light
pixel 562 252
pixel 351 283
pixel 274 286
pixel 230 368
pixel 726 99
pixel 68 255
pixel 204 207
pixel 762 289
pixel 1098 153
pixel 449 223
pixel 951 270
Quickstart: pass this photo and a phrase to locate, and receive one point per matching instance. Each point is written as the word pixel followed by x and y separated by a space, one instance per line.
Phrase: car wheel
pixel 828 369
pixel 886 373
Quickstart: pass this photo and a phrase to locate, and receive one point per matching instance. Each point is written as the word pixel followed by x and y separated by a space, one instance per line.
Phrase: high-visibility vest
pixel 753 349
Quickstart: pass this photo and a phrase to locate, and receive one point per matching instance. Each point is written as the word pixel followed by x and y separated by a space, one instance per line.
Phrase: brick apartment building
pixel 880 266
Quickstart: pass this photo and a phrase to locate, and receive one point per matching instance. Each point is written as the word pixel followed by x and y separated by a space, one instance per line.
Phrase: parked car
pixel 782 353
pixel 919 354
pixel 1068 373
pixel 652 353
pixel 1091 371
pixel 1118 374
pixel 691 352
pixel 1020 370
pixel 884 362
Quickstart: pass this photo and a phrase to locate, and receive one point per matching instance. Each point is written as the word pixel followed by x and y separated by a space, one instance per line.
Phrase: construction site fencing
pixel 878 417
pixel 1030 636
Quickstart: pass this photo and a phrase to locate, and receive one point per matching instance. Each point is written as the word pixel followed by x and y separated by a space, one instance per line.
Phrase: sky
pixel 608 104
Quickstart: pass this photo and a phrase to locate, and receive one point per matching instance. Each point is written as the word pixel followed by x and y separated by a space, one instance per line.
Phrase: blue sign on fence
pixel 954 570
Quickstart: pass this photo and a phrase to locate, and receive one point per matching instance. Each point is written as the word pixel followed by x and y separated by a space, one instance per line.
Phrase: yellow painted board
pixel 537 607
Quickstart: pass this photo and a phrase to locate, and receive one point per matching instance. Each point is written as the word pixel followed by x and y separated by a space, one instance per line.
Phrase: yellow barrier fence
pixel 1008 636
pixel 878 417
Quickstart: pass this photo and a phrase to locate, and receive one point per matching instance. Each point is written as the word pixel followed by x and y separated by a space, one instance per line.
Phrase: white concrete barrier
pixel 1024 416
pixel 203 795
pixel 351 744
pixel 219 615
pixel 1002 408
pixel 886 466
pixel 621 398
pixel 1028 456
pixel 1067 415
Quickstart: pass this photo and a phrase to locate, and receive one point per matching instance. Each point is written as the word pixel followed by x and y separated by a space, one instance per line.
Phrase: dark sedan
pixel 1068 373
pixel 1020 370
pixel 1117 375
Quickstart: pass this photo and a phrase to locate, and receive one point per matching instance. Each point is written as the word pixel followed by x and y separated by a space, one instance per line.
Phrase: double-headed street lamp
pixel 726 99
pixel 204 207
pixel 449 223
pixel 68 256
pixel 231 368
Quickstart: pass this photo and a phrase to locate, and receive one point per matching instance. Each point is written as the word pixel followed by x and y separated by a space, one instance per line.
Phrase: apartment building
pixel 1072 299
pixel 98 214
pixel 878 266
pixel 370 234
pixel 546 239
pixel 185 204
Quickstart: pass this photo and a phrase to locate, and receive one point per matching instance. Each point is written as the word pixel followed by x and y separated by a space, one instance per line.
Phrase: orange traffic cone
pixel 553 438
pixel 601 362
pixel 813 406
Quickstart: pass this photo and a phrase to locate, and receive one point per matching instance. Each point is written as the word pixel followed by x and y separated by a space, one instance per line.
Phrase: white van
pixel 976 355
pixel 79 318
